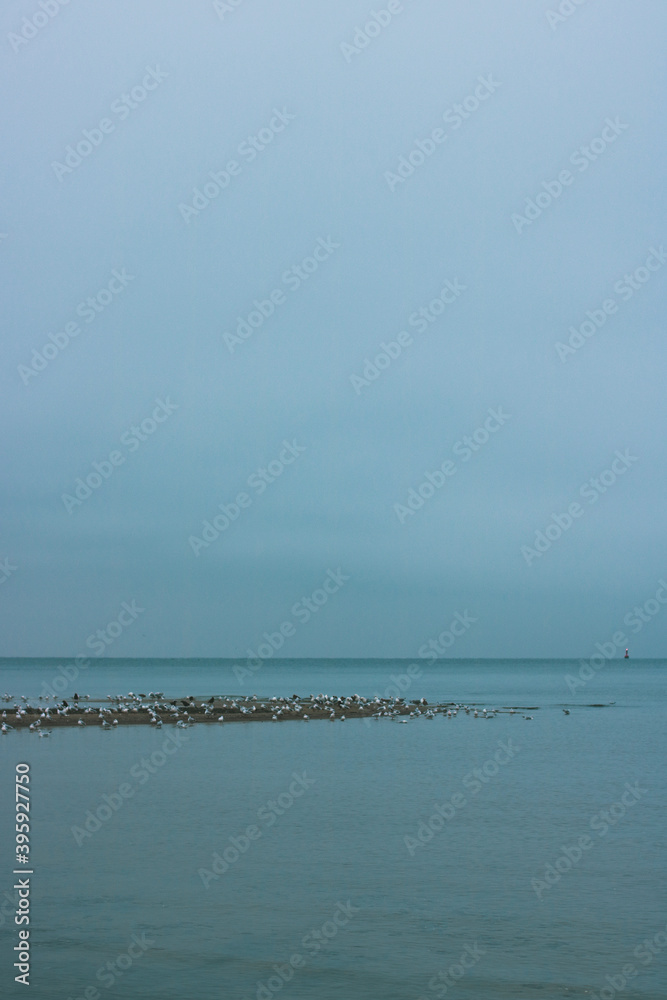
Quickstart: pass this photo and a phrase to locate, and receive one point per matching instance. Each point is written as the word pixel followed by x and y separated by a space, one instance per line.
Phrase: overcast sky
pixel 466 183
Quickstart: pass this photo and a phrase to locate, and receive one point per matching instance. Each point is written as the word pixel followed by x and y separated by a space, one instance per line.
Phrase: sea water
pixel 503 858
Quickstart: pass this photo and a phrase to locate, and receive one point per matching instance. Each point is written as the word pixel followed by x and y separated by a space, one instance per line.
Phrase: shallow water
pixel 331 854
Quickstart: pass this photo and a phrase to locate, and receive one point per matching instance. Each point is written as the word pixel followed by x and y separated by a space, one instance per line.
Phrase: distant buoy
pixel 627 655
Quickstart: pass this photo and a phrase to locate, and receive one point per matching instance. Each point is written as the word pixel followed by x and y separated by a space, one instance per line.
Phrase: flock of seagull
pixel 153 708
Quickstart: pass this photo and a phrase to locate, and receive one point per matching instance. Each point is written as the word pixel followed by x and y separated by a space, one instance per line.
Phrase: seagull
pixel 566 711
pixel 81 722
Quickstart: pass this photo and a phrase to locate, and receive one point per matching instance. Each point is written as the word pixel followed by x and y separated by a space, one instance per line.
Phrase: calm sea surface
pixel 365 859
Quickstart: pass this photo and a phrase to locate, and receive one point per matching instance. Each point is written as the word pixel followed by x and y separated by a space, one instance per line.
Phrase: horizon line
pixel 285 659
